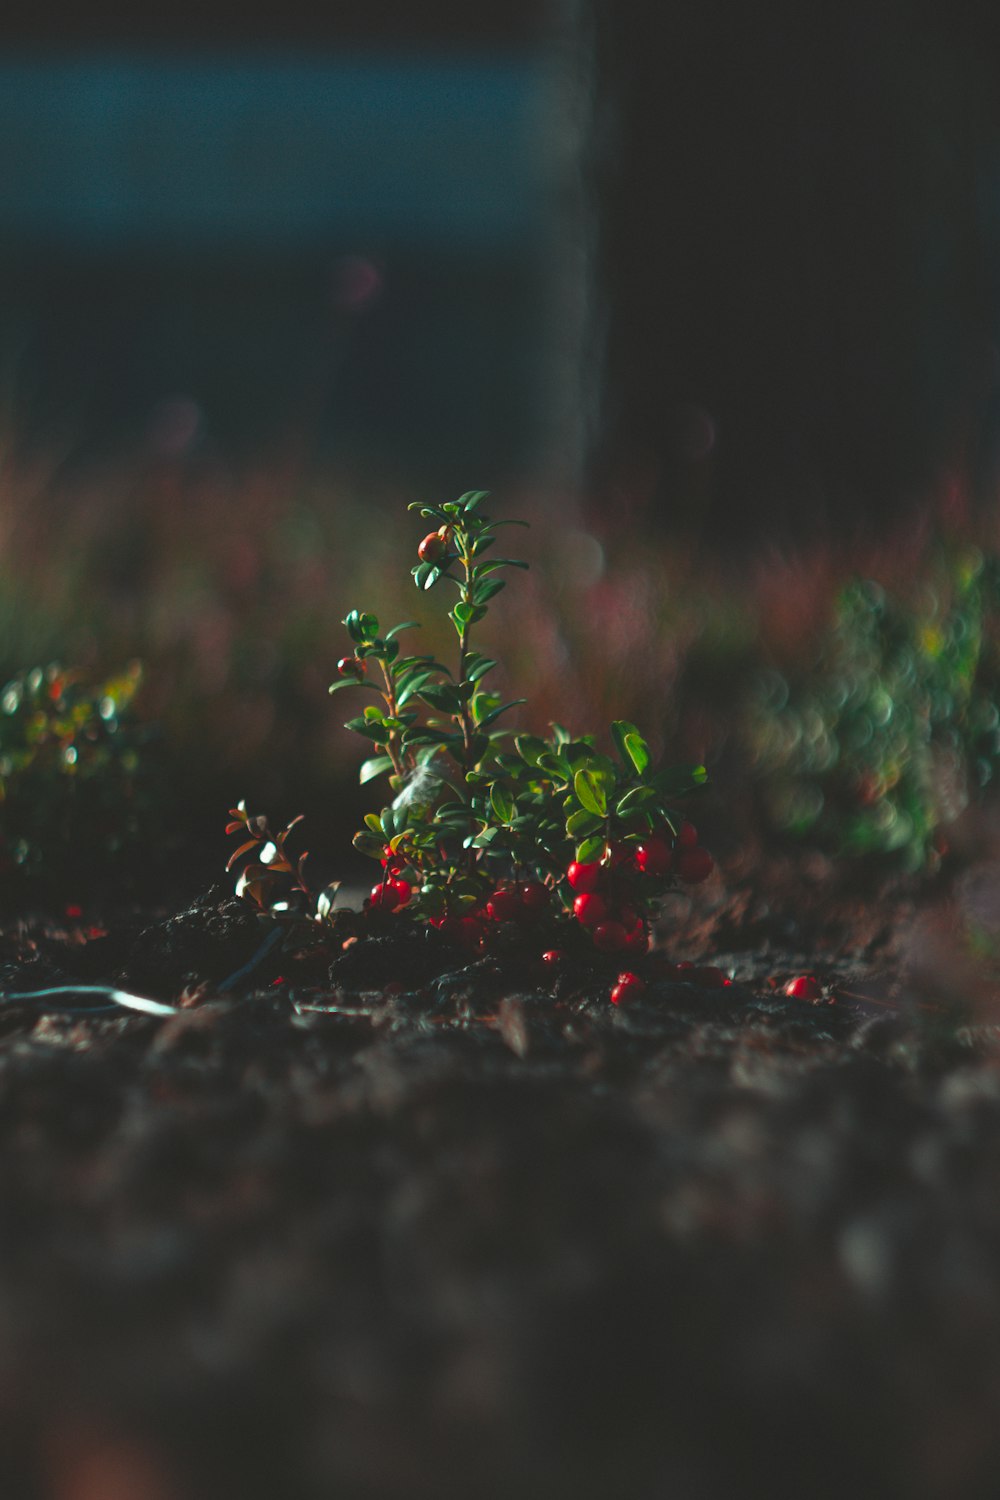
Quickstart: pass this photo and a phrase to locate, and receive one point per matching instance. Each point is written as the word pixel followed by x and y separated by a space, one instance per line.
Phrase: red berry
pixel 585 878
pixel 610 937
pixel 629 987
pixel 351 666
pixel 694 865
pixel 534 895
pixel 805 987
pixel 432 548
pixel 654 856
pixel 402 888
pixel 504 906
pixel 590 909
pixel 553 958
pixel 393 862
pixel 687 836
pixel 386 897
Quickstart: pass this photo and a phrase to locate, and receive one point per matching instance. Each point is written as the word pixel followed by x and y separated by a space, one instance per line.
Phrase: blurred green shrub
pixel 895 724
pixel 74 776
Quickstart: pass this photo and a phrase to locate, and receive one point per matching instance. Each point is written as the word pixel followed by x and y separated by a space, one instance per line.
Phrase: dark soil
pixel 377 1222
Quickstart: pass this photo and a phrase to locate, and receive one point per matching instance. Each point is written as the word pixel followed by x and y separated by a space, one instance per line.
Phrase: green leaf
pixel 370 731
pixel 495 713
pixel 353 624
pixel 374 767
pixel 367 843
pixel 481 840
pixel 464 613
pixel 633 801
pixel 345 682
pixel 389 822
pixel 530 747
pixel 391 635
pixel 590 851
pixel 484 592
pixel 472 498
pixel 431 512
pixel 374 822
pixel 620 731
pixel 582 822
pixel 441 695
pixel 500 562
pixel 414 685
pixel 420 735
pixel 369 627
pixel 589 788
pixel 479 668
pixel 638 751
pixel 502 802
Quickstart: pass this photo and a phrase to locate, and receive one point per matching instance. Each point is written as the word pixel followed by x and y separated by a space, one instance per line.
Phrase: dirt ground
pixel 378 1223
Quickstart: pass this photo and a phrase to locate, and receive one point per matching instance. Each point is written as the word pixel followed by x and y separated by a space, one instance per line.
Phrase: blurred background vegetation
pixel 710 298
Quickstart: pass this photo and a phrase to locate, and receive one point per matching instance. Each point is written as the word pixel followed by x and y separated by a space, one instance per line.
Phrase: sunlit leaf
pixel 638 751
pixel 502 802
pixel 589 789
pixel 582 822
pixel 374 767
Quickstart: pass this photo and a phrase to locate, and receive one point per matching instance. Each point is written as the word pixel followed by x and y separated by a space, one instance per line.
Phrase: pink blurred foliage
pixel 231 583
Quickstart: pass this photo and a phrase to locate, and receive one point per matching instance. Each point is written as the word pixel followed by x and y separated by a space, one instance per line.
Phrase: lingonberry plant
pixel 486 828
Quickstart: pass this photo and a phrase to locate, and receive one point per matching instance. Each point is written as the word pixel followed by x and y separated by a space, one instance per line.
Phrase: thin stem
pixel 399 765
pixel 465 714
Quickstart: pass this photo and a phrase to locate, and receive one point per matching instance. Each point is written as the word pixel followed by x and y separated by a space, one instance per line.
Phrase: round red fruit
pixel 504 906
pixel 590 909
pixel 804 987
pixel 433 548
pixel 694 865
pixel 534 895
pixel 351 666
pixel 629 987
pixel 586 877
pixel 654 857
pixel 687 836
pixel 610 937
pixel 402 888
pixel 554 958
pixel 385 897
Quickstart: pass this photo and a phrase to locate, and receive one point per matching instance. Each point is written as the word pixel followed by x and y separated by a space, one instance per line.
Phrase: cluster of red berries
pixel 521 903
pixel 602 890
pixel 392 890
